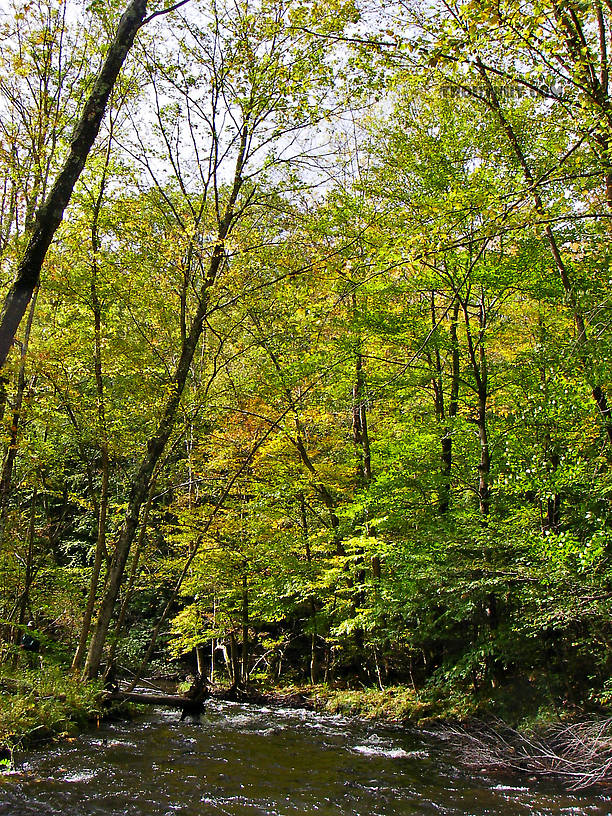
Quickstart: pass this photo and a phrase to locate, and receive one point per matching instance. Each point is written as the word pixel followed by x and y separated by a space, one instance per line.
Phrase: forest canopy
pixel 314 373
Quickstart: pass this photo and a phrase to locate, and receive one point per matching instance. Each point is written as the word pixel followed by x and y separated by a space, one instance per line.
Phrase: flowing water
pixel 245 759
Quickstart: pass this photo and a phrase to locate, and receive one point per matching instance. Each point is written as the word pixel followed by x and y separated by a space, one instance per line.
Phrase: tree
pixel 261 81
pixel 49 215
pixel 562 53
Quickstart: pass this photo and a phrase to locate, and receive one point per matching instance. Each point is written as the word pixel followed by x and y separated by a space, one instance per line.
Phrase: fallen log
pixel 191 703
pixel 145 698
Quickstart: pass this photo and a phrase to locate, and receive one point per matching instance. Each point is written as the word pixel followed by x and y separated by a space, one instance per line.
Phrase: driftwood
pixel 577 753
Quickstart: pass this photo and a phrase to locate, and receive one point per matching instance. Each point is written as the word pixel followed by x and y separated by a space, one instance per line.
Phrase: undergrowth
pixel 42 704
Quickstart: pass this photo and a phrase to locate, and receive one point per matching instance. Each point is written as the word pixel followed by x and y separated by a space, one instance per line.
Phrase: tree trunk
pixel 102 431
pixel 360 416
pixel 314 660
pixel 322 490
pixel 453 405
pixel 50 213
pixel 157 444
pixel 199 652
pixel 11 452
pixel 234 664
pixel 245 629
pixel 444 414
pixel 132 577
pixel 300 443
pixel 360 423
pixel 29 567
pixel 484 468
pixel 478 362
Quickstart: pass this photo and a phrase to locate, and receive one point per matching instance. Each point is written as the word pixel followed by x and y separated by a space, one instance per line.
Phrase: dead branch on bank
pixel 577 753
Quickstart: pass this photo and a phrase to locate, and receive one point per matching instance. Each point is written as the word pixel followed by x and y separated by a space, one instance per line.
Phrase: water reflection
pixel 246 759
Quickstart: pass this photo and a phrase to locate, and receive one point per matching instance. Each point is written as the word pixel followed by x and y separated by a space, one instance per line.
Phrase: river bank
pixel 246 758
pixel 404 704
pixel 46 706
pixel 38 706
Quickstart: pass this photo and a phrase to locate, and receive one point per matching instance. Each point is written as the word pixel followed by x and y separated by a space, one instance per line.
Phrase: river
pixel 249 760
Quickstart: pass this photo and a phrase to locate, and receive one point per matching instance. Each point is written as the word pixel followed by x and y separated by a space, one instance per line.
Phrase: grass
pixel 440 702
pixel 397 703
pixel 39 704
